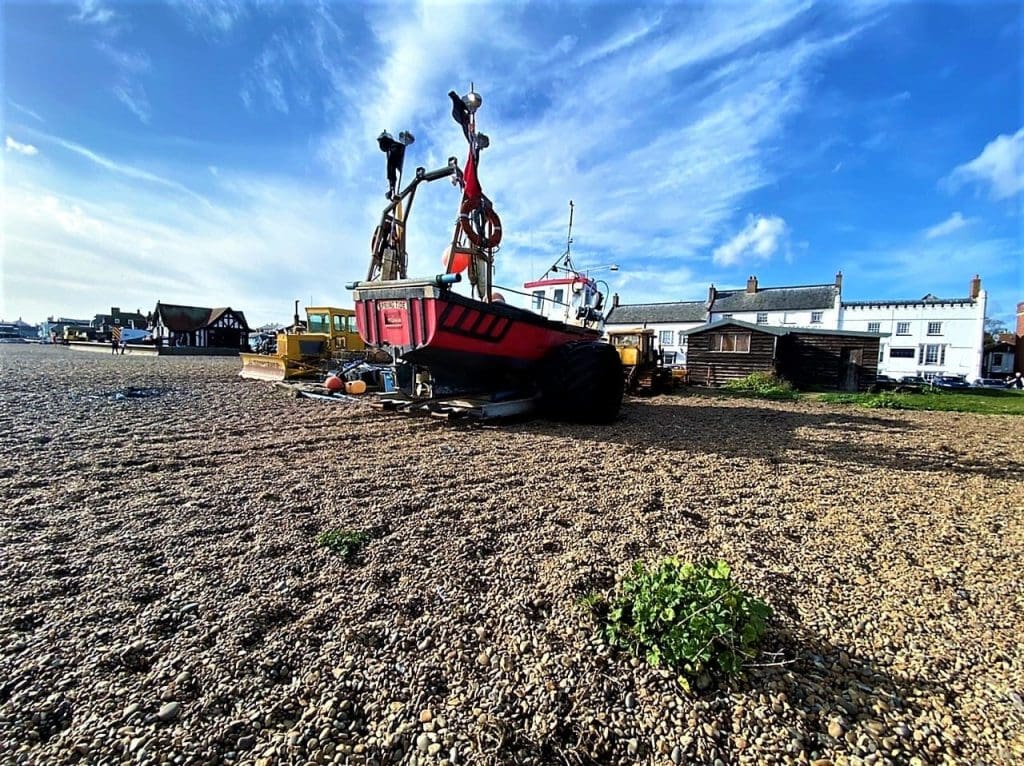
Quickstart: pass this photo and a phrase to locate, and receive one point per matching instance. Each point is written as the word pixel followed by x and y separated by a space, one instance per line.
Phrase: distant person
pixel 113 345
pixel 124 345
pixel 1017 382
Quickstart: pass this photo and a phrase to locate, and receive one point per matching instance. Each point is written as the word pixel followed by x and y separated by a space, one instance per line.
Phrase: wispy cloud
pixel 16 146
pixel 954 223
pixel 1000 167
pixel 93 12
pixel 133 96
pixel 219 15
pixel 122 169
pixel 25 110
pixel 759 240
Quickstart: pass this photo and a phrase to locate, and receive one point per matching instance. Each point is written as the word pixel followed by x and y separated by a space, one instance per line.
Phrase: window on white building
pixel 901 353
pixel 931 354
pixel 726 316
pixel 881 354
pixel 816 317
pixel 538 300
pixel 874 326
pixel 762 317
pixel 682 337
pixel 903 328
pixel 665 337
pixel 935 328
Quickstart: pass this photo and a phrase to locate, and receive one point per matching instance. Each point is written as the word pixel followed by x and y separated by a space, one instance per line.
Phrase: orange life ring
pixel 490 236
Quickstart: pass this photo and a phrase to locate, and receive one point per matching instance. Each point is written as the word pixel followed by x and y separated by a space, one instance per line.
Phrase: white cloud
pixel 758 240
pixel 1000 166
pixel 16 146
pixel 26 110
pixel 134 97
pixel 954 223
pixel 129 171
pixel 93 12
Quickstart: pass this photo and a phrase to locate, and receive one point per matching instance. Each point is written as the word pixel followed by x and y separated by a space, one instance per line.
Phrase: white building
pixel 926 337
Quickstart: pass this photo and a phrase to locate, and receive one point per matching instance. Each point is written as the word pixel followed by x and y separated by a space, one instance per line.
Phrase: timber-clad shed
pixel 729 350
pixel 195 326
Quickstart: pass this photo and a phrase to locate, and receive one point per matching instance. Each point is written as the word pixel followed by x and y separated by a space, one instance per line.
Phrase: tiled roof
pixel 639 313
pixel 191 318
pixel 777 299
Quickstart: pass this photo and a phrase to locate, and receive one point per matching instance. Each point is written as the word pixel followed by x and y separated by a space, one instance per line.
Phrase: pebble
pixel 169 711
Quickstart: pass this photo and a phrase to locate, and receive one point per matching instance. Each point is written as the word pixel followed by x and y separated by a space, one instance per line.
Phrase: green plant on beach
pixel 691 618
pixel 345 542
pixel 765 384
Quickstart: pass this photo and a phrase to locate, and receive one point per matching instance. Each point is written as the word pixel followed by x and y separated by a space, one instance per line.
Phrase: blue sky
pixel 223 152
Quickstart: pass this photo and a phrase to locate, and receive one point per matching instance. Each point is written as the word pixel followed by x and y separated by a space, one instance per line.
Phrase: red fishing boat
pixel 446 343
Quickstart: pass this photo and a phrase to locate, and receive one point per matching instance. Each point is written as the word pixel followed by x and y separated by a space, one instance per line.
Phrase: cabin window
pixel 935 328
pixel 903 328
pixel 730 342
pixel 997 359
pixel 318 323
pixel 816 317
pixel 762 317
pixel 538 300
pixel 901 353
pixel 669 357
pixel 624 341
pixel 665 337
pixel 874 326
pixel 559 295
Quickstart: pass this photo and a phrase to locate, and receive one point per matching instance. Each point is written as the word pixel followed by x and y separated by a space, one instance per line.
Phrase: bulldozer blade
pixel 263 367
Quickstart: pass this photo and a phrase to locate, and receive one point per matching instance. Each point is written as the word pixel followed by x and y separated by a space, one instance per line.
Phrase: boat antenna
pixel 568 238
pixel 565 258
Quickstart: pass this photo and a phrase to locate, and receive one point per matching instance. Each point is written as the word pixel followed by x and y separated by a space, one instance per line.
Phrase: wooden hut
pixel 729 350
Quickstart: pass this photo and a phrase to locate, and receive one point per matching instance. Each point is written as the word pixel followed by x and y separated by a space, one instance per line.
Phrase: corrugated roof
pixel 780 331
pixel 639 313
pixel 777 299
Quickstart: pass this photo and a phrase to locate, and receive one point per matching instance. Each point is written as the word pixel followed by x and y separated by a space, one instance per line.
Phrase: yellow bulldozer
pixel 306 348
pixel 642 367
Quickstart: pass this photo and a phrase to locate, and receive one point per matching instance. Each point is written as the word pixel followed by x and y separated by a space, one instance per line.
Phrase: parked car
pixel 884 383
pixel 989 383
pixel 950 382
pixel 913 380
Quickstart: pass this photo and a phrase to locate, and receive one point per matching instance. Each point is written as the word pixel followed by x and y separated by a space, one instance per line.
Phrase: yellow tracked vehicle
pixel 305 349
pixel 642 368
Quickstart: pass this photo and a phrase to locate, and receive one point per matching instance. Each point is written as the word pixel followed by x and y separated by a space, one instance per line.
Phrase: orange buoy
pixel 455 265
pixel 334 384
pixel 355 387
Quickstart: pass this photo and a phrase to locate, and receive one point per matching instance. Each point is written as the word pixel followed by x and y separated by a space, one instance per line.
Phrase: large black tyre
pixel 581 382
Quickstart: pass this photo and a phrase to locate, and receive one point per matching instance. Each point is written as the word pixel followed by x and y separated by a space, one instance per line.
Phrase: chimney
pixel 975 286
pixel 712 294
pixel 751 284
pixel 839 281
pixel 615 301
